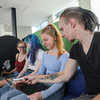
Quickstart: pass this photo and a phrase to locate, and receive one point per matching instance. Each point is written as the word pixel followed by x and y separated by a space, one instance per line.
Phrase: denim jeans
pixel 14 95
pixel 18 95
pixel 27 73
pixel 7 88
pixel 15 74
pixel 4 90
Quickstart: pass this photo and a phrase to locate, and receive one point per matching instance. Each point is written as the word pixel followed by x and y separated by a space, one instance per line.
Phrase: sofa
pixel 8 49
pixel 75 87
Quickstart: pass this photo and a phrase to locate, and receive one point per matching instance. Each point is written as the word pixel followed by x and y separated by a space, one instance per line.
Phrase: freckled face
pixel 48 41
pixel 66 30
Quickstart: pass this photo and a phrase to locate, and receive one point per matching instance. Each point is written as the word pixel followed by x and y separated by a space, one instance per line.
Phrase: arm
pixel 36 70
pixel 63 76
pixel 37 67
pixel 58 77
pixel 38 64
pixel 12 71
pixel 39 55
pixel 55 87
pixel 42 69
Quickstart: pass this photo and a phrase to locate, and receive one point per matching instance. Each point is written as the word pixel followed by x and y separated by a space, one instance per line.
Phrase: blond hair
pixel 53 31
pixel 21 42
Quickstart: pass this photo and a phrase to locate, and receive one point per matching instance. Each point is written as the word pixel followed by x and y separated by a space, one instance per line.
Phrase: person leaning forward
pixel 79 24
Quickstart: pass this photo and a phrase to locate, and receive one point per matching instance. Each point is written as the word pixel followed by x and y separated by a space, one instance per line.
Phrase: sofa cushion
pixel 69 96
pixel 76 86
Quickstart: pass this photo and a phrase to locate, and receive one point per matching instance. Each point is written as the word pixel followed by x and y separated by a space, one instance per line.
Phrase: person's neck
pixel 86 39
pixel 22 53
pixel 53 51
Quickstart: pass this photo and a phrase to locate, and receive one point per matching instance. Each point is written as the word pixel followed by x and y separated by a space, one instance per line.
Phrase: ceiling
pixel 29 12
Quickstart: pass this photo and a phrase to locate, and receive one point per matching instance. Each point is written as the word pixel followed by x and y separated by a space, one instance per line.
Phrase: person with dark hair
pixel 79 24
pixel 53 60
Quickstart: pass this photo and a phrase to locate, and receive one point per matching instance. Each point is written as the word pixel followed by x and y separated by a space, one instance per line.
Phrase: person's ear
pixel 72 22
pixel 55 38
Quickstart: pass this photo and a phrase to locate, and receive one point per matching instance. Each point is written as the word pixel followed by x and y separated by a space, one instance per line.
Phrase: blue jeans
pixel 15 74
pixel 4 90
pixel 7 88
pixel 27 73
pixel 18 95
pixel 14 95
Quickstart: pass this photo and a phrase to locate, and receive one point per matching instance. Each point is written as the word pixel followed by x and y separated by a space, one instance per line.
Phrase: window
pixel 40 26
pixel 34 29
pixel 72 4
pixel 95 6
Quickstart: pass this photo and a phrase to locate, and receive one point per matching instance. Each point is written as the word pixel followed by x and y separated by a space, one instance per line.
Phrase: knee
pixel 20 97
pixel 4 97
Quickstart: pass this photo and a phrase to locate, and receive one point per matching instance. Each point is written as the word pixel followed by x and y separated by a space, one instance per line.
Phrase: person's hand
pixel 18 84
pixel 27 76
pixel 31 79
pixel 13 85
pixel 35 96
pixel 4 72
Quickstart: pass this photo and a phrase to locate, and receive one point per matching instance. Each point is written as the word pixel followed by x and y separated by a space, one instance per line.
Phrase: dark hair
pixel 35 45
pixel 83 16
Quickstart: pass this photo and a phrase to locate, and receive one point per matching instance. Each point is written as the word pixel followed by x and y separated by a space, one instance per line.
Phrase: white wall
pixel 23 31
pixel 85 4
pixel 2 30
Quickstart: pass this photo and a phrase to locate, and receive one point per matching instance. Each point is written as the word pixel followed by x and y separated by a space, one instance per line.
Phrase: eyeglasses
pixel 22 47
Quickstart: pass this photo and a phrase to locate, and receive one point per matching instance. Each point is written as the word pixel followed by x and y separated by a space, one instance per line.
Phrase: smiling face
pixel 67 30
pixel 21 47
pixel 48 41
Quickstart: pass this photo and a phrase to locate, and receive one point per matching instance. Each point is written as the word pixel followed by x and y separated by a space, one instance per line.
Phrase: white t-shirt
pixel 38 56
